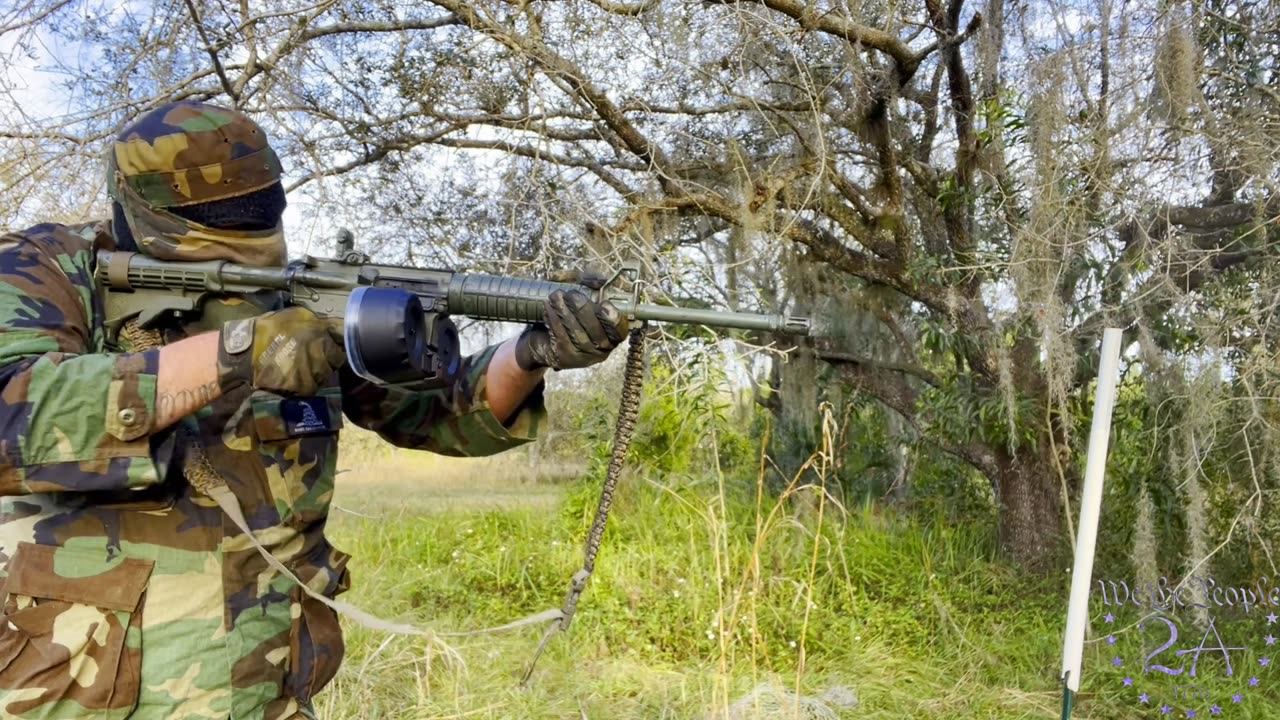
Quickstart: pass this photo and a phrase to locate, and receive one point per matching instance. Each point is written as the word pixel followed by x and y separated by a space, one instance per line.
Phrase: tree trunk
pixel 1031 507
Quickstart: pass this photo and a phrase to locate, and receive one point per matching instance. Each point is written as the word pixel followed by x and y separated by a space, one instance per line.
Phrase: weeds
pixel 719 600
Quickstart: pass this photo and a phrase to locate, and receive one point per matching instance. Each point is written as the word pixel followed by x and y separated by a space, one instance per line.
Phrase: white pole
pixel 1090 506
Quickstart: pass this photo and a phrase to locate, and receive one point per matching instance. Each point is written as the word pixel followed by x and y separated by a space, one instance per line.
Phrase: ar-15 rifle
pixel 397 319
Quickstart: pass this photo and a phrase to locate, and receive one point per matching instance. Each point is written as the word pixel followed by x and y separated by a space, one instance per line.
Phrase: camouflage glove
pixel 578 333
pixel 288 351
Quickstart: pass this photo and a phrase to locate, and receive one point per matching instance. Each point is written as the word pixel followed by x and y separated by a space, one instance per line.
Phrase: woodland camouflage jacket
pixel 127 594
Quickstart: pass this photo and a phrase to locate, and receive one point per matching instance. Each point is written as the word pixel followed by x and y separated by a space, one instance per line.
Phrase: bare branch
pixel 564 70
pixel 213 55
pixel 624 9
pixel 36 19
pixel 845 358
pixel 377 27
pixel 597 168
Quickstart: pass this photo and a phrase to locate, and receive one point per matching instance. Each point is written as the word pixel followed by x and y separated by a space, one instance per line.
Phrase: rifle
pixel 398 320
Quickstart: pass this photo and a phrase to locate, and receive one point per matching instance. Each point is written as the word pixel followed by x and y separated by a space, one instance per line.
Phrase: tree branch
pixel 379 151
pixel 379 27
pixel 558 67
pixel 894 390
pixel 906 61
pixel 213 55
pixel 624 9
pixel 836 357
pixel 537 153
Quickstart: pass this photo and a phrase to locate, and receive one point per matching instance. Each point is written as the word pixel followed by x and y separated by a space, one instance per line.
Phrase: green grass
pixel 701 595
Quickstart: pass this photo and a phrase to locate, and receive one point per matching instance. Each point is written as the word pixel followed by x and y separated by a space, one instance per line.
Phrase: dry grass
pixel 377 480
pixel 408 486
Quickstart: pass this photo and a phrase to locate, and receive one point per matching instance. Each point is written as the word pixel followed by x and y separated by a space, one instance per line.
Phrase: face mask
pixel 165 236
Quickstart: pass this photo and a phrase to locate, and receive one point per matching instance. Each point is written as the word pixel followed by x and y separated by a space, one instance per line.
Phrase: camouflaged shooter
pixel 397 319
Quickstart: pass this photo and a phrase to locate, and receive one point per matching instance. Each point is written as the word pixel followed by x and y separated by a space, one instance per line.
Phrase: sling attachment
pixel 628 411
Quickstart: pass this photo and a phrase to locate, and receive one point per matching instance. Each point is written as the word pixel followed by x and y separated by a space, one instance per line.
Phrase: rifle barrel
pixel 716 318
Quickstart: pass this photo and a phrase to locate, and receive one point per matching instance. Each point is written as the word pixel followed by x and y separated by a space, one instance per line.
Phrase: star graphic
pixel 1271 619
pixel 1191 713
pixel 1116 661
pixel 1215 710
pixel 1265 662
pixel 1253 682
pixel 1143 698
pixel 1112 618
pixel 1128 682
pixel 1271 640
pixel 1237 698
pixel 1111 639
pixel 1165 709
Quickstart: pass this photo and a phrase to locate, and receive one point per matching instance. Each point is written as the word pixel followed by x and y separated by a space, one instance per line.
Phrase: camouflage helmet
pixel 184 154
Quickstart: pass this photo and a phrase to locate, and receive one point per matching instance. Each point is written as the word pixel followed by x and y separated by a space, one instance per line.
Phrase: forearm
pixel 490 406
pixel 187 378
pixel 507 383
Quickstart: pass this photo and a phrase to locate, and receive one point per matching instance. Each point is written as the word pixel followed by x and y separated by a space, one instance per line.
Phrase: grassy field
pixel 709 601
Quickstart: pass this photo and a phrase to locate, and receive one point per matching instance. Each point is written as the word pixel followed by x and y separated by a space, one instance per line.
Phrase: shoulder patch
pixel 238 336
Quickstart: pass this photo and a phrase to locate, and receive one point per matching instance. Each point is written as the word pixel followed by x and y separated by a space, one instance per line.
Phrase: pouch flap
pixel 83 577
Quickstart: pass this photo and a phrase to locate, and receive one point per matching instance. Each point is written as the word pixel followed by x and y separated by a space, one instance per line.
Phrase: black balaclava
pixel 120 230
pixel 258 210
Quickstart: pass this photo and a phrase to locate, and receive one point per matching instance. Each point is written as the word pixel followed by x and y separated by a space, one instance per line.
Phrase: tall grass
pixel 711 600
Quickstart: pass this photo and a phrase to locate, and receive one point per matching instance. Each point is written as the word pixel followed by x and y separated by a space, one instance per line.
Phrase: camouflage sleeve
pixel 72 418
pixel 454 420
